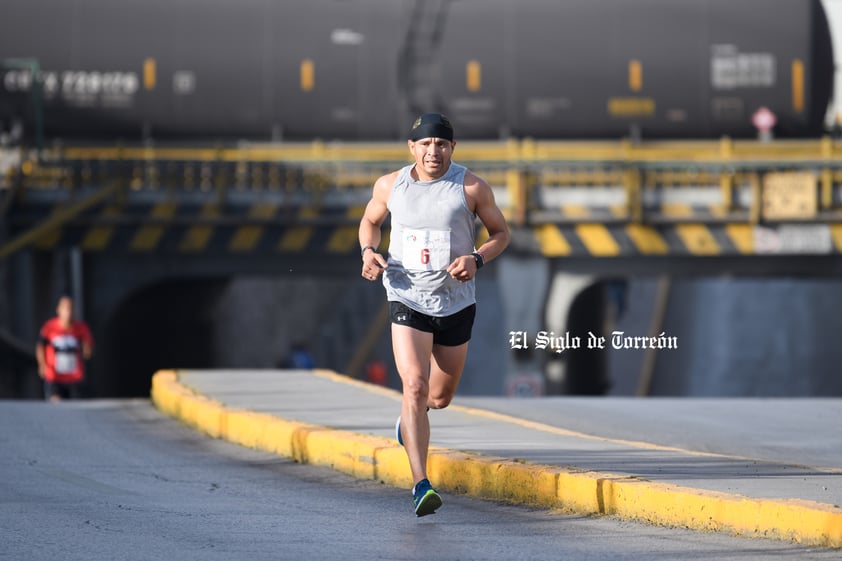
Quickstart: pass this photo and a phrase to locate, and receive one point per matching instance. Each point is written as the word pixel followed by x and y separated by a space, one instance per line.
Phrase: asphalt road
pixel 105 480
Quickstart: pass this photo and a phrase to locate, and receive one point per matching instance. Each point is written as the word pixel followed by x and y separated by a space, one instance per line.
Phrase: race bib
pixel 66 363
pixel 426 250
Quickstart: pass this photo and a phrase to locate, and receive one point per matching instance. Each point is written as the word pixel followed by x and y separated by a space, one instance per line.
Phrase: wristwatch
pixel 479 259
pixel 366 246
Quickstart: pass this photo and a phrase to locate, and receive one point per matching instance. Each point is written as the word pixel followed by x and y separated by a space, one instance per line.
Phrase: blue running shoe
pixel 425 498
pixel 398 431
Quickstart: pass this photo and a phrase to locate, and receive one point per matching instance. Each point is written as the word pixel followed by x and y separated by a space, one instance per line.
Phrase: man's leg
pixel 412 349
pixel 74 391
pixel 51 392
pixel 445 372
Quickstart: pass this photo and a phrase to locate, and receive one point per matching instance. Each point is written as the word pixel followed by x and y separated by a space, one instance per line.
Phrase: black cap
pixel 431 125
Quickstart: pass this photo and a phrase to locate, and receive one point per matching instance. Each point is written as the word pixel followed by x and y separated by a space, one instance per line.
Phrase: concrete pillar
pixel 563 291
pixel 24 311
pixel 77 279
pixel 523 287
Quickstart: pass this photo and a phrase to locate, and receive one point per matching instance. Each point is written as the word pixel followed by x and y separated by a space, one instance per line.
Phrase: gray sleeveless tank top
pixel 431 226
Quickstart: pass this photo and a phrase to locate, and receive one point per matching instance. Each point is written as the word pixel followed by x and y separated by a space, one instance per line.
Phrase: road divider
pixel 566 488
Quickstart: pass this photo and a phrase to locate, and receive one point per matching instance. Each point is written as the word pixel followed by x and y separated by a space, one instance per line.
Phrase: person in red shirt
pixel 64 345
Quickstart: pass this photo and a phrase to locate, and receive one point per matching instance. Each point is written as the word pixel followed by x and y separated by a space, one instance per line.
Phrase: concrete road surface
pixel 106 480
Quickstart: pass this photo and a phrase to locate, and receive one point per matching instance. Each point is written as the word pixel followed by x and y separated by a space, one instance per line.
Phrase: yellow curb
pixel 581 492
pixel 533 425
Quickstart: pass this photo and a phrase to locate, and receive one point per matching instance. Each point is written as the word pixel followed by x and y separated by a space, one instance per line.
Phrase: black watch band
pixel 479 259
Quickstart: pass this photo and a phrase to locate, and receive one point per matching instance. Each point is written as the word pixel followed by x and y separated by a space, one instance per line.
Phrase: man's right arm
pixel 369 234
pixel 41 357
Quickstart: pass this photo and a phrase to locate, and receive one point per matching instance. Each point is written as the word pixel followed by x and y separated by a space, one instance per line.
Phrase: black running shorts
pixel 451 331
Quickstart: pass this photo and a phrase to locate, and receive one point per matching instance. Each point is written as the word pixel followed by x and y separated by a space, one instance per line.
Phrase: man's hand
pixel 373 265
pixel 463 268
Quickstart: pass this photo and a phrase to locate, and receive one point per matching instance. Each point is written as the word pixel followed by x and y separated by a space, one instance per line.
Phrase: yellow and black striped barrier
pixel 686 239
pixel 267 229
pixel 188 229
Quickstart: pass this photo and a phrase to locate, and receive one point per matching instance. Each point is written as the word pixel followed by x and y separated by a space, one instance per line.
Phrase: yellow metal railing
pixel 732 171
pixel 527 150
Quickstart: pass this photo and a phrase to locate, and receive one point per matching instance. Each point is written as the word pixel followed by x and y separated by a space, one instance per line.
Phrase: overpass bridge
pixel 562 199
pixel 105 223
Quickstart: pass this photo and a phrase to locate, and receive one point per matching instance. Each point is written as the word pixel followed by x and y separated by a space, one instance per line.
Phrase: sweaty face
pixel 432 157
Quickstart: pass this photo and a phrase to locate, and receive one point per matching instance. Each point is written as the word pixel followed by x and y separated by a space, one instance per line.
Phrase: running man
pixel 429 278
pixel 64 344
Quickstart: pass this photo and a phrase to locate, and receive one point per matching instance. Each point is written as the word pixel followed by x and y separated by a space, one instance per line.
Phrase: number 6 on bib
pixel 426 250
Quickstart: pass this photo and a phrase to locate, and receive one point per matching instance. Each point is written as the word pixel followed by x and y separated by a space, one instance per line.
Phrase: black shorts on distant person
pixel 64 391
pixel 451 331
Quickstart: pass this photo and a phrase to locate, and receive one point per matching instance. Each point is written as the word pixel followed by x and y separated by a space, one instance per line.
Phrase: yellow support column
pixel 827 174
pixel 516 186
pixel 634 198
pixel 756 198
pixel 726 147
pixel 827 188
pixel 726 184
pixel 726 179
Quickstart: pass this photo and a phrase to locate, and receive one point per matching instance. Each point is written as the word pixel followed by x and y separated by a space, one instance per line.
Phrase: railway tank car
pixel 83 70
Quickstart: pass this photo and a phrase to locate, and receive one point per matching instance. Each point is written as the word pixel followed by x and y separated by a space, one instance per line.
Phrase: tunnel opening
pixel 587 370
pixel 166 325
pixel 233 323
pixel 578 364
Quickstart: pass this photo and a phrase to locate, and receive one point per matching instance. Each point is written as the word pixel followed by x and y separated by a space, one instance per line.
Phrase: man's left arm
pixel 492 218
pixel 481 198
pixel 87 342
